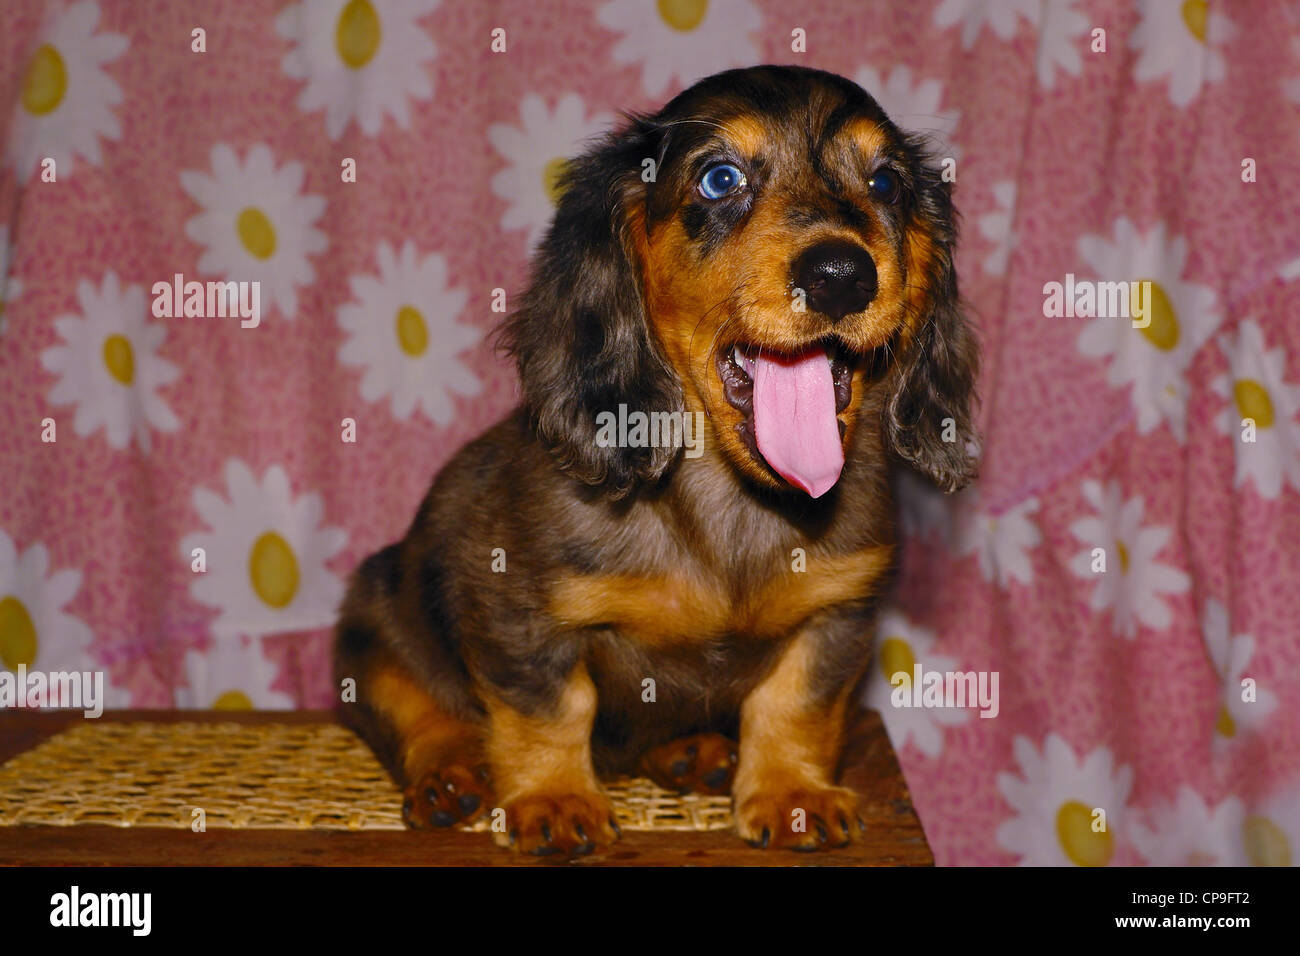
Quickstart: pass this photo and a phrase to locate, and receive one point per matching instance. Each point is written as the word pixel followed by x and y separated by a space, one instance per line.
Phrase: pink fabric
pixel 1117 689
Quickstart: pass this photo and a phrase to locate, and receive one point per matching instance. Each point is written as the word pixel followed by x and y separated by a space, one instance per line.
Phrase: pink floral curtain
pixel 180 505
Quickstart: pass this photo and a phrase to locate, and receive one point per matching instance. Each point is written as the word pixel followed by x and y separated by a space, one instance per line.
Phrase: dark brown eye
pixel 884 185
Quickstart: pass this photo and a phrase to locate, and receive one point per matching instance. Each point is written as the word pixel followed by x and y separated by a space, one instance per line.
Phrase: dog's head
pixel 764 249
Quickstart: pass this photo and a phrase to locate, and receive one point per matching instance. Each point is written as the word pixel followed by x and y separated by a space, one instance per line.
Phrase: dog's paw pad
pixel 805 819
pixel 703 763
pixel 573 824
pixel 447 795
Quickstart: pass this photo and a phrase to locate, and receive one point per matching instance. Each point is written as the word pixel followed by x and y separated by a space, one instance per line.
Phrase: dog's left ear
pixel 581 337
pixel 929 416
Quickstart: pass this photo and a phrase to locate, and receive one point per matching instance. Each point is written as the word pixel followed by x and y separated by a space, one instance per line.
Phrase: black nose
pixel 837 277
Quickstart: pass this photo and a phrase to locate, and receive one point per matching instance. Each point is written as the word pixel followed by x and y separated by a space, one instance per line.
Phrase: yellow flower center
pixel 1253 401
pixel 46 82
pixel 895 656
pixel 17 634
pixel 1083 846
pixel 1266 843
pixel 551 174
pixel 1225 725
pixel 357 34
pixel 232 700
pixel 273 569
pixel 119 358
pixel 683 15
pixel 1123 555
pixel 1162 329
pixel 1196 13
pixel 412 332
pixel 256 232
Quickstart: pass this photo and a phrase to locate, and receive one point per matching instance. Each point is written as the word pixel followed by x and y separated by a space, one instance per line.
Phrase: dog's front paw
pixel 800 818
pixel 703 763
pixel 546 824
pixel 455 792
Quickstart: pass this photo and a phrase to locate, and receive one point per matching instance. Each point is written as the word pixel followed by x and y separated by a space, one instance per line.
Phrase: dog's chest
pixel 688 605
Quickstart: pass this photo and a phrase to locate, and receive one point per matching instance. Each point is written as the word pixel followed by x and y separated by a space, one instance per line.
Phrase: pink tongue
pixel 794 420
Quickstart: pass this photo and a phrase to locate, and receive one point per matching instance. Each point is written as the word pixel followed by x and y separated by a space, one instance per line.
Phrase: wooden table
pixel 894 835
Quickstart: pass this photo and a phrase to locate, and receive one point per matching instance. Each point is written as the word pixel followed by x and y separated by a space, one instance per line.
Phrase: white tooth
pixel 745 363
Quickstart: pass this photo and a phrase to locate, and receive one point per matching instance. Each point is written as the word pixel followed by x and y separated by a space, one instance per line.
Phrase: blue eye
pixel 720 180
pixel 884 185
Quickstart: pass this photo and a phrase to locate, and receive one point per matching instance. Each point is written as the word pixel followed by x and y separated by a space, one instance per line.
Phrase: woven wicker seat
pixel 252 776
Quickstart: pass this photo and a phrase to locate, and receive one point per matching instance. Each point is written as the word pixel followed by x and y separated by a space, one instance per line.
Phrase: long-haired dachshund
pixel 764 269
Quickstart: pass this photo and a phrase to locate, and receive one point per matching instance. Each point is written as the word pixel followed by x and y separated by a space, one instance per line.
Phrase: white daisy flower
pixel 402 330
pixel 109 367
pixel 1060 40
pixel 255 224
pixel 35 630
pixel 900 646
pixel 1182 316
pixel 1001 542
pixel 360 58
pixel 679 41
pixel 1000 16
pixel 538 151
pixel 1186 832
pixel 1231 655
pixel 1270 835
pixel 232 674
pixel 1181 42
pixel 67 98
pixel 922 508
pixel 997 227
pixel 1057 799
pixel 10 287
pixel 265 554
pixel 912 106
pixel 1256 388
pixel 1134 583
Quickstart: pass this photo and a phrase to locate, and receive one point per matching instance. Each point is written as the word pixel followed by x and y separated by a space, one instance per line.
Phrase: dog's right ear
pixel 580 337
pixel 929 418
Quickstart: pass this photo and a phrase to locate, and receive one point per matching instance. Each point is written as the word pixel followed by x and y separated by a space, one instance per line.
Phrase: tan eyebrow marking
pixel 745 133
pixel 867 134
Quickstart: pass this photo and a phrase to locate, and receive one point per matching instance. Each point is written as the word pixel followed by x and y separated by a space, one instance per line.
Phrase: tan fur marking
pixel 787 601
pixel 544 753
pixel 867 135
pixel 784 742
pixel 656 609
pixel 426 731
pixel 745 133
pixel 920 253
pixel 662 609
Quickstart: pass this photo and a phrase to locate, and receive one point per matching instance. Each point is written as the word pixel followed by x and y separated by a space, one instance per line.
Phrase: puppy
pixel 765 268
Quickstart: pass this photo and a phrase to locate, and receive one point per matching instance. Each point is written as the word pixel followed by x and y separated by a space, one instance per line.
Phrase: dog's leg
pixel 791 735
pixel 541 763
pixel 423 725
pixel 441 757
pixel 701 763
pixel 435 756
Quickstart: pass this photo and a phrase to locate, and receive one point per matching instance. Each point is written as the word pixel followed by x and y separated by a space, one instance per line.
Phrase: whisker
pixel 723 301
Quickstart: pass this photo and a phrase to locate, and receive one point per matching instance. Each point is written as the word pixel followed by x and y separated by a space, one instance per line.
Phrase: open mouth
pixel 791 403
